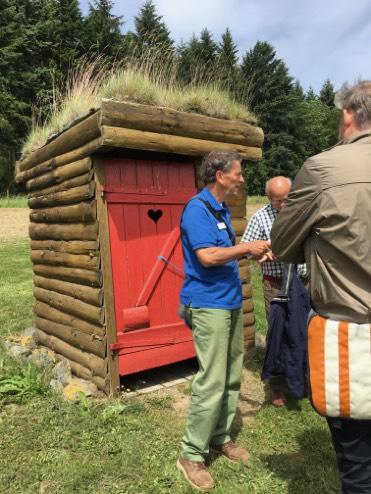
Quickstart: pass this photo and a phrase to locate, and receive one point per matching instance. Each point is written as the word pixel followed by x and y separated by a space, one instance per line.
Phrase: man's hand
pixel 257 248
pixel 267 257
pixel 216 256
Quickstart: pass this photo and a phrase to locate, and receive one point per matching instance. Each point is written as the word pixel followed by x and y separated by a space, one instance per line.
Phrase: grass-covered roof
pixel 90 85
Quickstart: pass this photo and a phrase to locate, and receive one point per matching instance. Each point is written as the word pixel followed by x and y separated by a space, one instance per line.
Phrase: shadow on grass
pixel 255 363
pixel 237 426
pixel 294 404
pixel 310 470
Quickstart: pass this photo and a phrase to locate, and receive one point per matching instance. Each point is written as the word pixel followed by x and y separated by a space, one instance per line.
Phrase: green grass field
pixel 13 201
pixel 130 446
pixel 256 200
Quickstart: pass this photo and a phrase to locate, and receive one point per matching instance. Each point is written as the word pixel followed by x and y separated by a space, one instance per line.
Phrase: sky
pixel 317 39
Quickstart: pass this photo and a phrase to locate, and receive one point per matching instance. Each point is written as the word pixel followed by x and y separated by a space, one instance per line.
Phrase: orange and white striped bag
pixel 339 356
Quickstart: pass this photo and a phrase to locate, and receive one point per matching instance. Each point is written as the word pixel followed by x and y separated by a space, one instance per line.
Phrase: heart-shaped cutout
pixel 155 215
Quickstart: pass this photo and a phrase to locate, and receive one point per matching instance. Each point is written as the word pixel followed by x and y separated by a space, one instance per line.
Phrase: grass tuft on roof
pixel 147 82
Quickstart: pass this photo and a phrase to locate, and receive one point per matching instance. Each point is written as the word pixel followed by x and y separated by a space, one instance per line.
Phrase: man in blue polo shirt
pixel 212 298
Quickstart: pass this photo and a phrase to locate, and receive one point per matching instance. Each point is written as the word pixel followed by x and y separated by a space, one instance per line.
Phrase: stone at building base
pixel 71 388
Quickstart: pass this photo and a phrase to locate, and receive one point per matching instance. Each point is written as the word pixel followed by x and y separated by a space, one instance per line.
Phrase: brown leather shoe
pixel 195 474
pixel 233 452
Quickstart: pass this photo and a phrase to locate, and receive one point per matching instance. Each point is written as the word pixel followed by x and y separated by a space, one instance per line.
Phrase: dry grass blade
pixel 151 78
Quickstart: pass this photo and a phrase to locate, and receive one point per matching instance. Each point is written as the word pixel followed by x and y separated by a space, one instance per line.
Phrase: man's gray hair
pixel 215 161
pixel 356 98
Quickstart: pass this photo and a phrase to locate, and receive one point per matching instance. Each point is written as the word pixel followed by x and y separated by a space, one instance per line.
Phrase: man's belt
pixel 272 279
pixel 277 281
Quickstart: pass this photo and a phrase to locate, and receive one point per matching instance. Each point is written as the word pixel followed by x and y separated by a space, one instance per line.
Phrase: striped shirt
pixel 259 228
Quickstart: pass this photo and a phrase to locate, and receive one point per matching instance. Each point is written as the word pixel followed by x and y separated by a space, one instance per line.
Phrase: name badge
pixel 221 226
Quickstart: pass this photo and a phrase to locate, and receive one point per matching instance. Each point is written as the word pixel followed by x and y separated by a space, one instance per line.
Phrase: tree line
pixel 41 41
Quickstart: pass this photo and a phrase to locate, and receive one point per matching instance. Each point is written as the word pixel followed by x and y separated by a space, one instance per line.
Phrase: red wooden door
pixel 145 200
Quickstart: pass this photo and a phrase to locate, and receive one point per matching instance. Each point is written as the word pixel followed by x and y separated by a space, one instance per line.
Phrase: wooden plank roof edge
pixel 122 137
pixel 186 124
pixel 75 136
pixel 108 101
pixel 89 127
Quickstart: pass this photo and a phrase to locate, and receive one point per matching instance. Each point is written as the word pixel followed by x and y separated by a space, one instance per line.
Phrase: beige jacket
pixel 327 223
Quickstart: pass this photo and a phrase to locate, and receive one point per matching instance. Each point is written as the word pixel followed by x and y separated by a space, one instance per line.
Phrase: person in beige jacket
pixel 326 223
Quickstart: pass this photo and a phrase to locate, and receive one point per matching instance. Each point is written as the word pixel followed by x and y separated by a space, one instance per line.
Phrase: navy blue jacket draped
pixel 287 334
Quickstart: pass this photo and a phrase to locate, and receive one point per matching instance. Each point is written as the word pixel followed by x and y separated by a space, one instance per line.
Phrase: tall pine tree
pixel 321 119
pixel 29 59
pixel 151 32
pixel 327 93
pixel 103 31
pixel 37 45
pixel 188 61
pixel 321 126
pixel 270 93
pixel 13 121
pixel 198 59
pixel 40 63
pixel 298 89
pixel 227 63
pixel 207 57
pixel 310 94
pixel 70 35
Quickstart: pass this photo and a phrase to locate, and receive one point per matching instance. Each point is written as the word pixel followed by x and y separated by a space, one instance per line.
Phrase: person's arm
pixel 295 222
pixel 201 232
pixel 215 256
pixel 255 231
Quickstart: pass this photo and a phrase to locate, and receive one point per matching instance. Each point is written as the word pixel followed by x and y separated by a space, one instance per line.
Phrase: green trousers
pixel 219 344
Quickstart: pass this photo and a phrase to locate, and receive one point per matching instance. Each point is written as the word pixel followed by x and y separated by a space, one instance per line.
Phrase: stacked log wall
pixel 68 280
pixel 237 206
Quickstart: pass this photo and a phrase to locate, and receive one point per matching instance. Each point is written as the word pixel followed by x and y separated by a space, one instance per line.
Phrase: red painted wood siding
pixel 132 189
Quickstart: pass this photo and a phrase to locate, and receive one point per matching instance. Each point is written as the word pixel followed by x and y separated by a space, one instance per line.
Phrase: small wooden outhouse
pixel 106 196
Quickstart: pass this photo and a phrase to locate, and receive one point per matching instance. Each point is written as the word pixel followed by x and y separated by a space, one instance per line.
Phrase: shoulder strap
pixel 220 219
pixel 217 215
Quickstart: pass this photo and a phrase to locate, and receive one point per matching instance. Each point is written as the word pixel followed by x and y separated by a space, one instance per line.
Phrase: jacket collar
pixel 357 136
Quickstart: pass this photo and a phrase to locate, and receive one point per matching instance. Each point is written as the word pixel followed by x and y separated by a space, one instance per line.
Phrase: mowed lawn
pixel 124 446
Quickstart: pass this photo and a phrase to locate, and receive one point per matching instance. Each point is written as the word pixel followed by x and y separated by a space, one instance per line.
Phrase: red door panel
pixel 145 201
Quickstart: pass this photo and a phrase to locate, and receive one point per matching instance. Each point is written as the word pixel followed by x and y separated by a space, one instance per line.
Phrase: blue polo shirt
pixel 217 287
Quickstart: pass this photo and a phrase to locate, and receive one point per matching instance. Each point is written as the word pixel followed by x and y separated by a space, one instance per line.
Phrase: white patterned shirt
pixel 259 228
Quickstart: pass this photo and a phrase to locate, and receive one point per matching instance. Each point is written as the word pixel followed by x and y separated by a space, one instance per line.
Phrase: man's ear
pixel 219 175
pixel 348 118
pixel 348 125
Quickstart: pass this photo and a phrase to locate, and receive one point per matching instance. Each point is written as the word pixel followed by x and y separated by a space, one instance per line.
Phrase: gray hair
pixel 356 98
pixel 215 161
pixel 268 182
